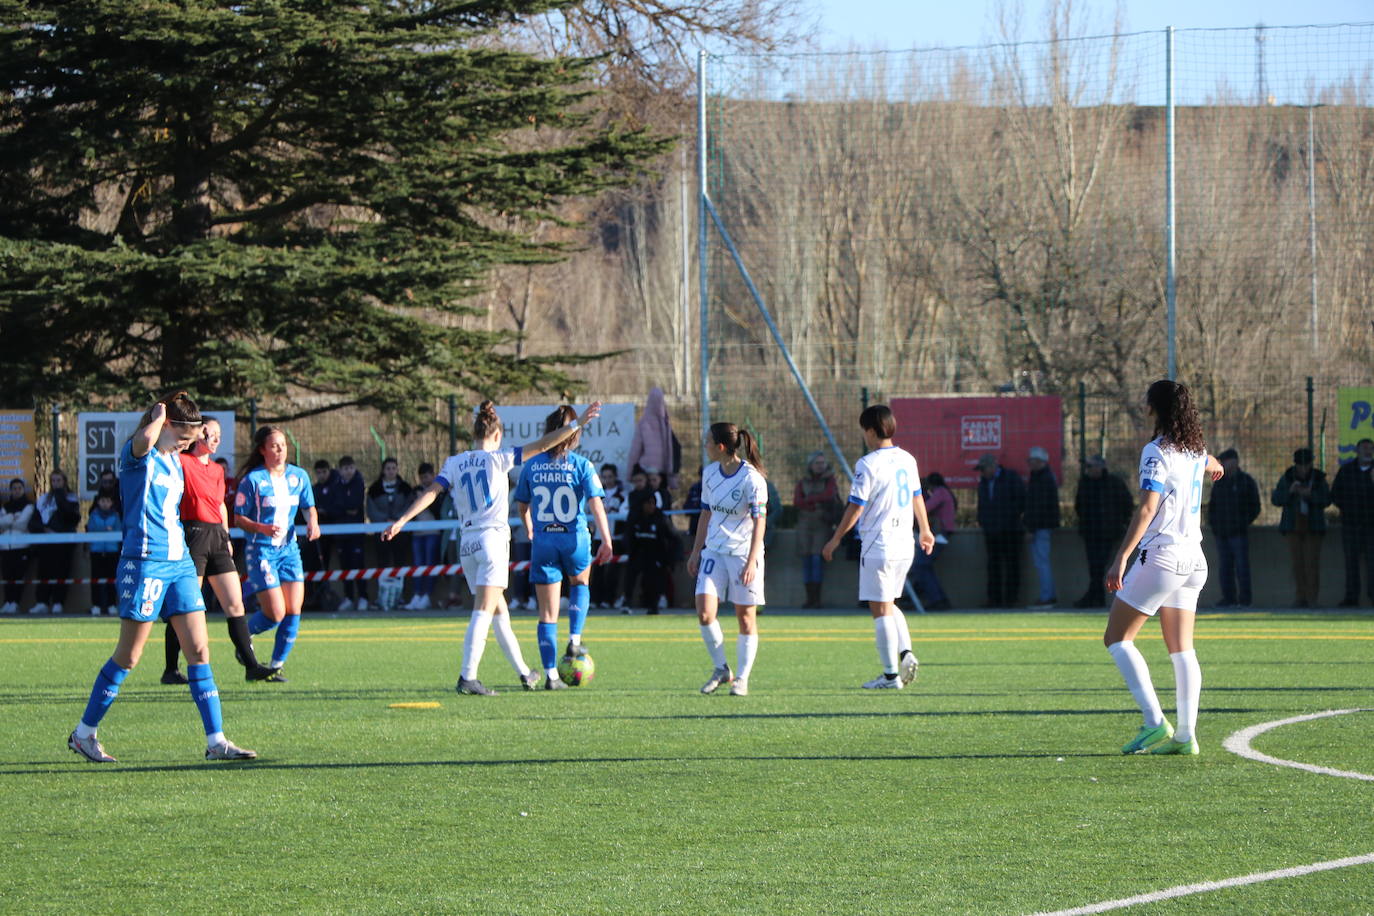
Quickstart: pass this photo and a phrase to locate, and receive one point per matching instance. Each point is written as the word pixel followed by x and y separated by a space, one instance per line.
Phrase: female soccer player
pixel 727 555
pixel 1170 570
pixel 270 492
pixel 480 486
pixel 157 577
pixel 206 520
pixel 561 485
pixel 882 500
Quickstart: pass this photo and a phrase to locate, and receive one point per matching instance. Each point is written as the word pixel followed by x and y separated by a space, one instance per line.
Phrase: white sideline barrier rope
pixel 1239 743
pixel 342 575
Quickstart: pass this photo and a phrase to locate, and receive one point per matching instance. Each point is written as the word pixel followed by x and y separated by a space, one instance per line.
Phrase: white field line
pixel 1239 743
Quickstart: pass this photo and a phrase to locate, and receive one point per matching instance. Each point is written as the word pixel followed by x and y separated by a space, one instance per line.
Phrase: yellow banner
pixel 1354 420
pixel 16 448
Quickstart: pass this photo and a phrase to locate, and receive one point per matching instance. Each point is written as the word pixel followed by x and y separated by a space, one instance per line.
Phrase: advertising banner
pixel 102 435
pixel 16 449
pixel 1354 420
pixel 605 439
pixel 950 434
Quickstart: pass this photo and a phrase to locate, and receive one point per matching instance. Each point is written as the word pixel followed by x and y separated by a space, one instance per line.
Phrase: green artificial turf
pixel 993 785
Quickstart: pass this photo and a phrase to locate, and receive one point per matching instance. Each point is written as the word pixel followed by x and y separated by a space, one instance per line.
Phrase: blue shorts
pixel 268 567
pixel 554 557
pixel 157 589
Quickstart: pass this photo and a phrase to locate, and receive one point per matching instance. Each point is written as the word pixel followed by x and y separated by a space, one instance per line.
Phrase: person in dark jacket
pixel 1001 503
pixel 653 544
pixel 1233 508
pixel 1103 504
pixel 1353 493
pixel 1303 494
pixel 1041 518
pixel 347 494
pixel 56 512
pixel 387 500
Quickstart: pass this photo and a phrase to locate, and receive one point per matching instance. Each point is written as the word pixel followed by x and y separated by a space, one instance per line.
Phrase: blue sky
pixel 898 24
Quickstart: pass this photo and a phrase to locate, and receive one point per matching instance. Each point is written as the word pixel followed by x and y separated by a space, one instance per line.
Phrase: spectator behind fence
pixel 941 504
pixel 347 497
pixel 1303 495
pixel 653 546
pixel 655 444
pixel 1353 493
pixel 424 545
pixel 606 578
pixel 105 554
pixel 14 563
pixel 657 484
pixel 324 477
pixel 692 505
pixel 1001 503
pixel 57 512
pixel 817 498
pixel 108 485
pixel 387 498
pixel 1103 504
pixel 1232 509
pixel 1042 518
pixel 521 592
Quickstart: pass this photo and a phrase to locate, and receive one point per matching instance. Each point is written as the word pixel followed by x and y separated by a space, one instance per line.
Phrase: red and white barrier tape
pixel 334 575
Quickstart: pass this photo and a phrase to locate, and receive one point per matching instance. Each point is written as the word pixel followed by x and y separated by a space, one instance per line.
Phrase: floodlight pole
pixel 703 291
pixel 1171 251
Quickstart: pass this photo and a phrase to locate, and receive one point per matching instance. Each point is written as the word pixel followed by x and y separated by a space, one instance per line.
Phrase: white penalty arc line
pixel 1239 743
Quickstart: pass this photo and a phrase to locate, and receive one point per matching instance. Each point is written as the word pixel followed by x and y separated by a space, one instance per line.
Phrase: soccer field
pixel 994 784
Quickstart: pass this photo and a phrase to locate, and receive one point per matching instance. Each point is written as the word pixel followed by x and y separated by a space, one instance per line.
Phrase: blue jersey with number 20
pixel 557 490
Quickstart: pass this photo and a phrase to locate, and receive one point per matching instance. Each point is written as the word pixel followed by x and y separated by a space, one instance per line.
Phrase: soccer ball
pixel 577 671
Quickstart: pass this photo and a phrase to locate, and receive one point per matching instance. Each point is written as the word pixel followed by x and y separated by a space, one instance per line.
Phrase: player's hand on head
pixel 159 412
pixel 591 413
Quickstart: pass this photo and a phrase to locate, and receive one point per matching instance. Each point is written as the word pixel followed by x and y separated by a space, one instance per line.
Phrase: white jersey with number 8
pixel 1177 477
pixel 886 480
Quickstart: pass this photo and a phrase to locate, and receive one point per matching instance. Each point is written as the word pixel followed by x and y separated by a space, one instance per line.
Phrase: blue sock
pixel 103 693
pixel 259 623
pixel 206 695
pixel 579 599
pixel 547 634
pixel 286 638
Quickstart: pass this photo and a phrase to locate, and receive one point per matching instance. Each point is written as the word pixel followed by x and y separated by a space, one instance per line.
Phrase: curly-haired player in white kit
pixel 883 501
pixel 1169 572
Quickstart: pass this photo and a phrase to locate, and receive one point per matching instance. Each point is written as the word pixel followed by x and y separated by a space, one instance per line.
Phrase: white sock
pixel 215 739
pixel 552 674
pixel 885 634
pixel 575 638
pixel 505 638
pixel 84 731
pixel 475 642
pixel 1188 681
pixel 745 650
pixel 715 642
pixel 1136 673
pixel 903 631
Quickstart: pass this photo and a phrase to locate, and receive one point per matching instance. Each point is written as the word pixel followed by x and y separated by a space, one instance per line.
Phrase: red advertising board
pixel 950 434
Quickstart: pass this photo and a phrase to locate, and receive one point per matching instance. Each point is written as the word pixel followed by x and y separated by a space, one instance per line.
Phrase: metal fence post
pixel 703 288
pixel 1170 248
pixel 453 424
pixel 56 439
pixel 1310 439
pixel 1082 424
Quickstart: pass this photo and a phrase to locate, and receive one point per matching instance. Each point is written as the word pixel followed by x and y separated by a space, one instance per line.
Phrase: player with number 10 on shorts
pixel 1169 572
pixel 156 577
pixel 480 486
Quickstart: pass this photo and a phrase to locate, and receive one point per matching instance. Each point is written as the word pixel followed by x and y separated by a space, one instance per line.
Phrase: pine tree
pixel 276 198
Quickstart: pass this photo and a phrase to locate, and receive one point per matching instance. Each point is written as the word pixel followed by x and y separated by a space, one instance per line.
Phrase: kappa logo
pixel 127 580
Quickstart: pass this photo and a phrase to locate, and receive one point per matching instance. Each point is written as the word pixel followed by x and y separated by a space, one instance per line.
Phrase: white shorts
pixel 485 555
pixel 882 578
pixel 719 575
pixel 1165 577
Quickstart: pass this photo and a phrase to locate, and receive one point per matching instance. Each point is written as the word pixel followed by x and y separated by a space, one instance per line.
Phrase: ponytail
pixel 486 423
pixel 737 441
pixel 751 450
pixel 561 417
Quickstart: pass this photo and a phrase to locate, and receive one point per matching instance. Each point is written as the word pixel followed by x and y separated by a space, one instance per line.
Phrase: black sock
pixel 173 649
pixel 238 635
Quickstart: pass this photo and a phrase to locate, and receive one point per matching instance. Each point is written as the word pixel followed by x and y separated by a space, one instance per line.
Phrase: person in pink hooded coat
pixel 654 445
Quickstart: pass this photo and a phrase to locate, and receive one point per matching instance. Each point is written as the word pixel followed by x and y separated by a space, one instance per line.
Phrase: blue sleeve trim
pixel 858 502
pixel 519 453
pixel 916 492
pixel 1153 486
pixel 441 481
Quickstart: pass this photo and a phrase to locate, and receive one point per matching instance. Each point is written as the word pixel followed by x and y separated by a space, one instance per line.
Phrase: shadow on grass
pixel 81 768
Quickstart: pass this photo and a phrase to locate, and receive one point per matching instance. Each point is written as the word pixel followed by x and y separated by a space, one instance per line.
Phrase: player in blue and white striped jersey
pixel 480 486
pixel 727 558
pixel 1168 573
pixel 270 492
pixel 156 576
pixel 884 499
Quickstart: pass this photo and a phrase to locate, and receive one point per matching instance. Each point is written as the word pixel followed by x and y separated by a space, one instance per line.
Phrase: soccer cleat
pixel 227 750
pixel 574 651
pixel 719 676
pixel 1148 736
pixel 89 748
pixel 740 688
pixel 1170 746
pixel 174 677
pixel 530 680
pixel 885 682
pixel 907 667
pixel 554 683
pixel 474 688
pixel 258 673
pixel 274 675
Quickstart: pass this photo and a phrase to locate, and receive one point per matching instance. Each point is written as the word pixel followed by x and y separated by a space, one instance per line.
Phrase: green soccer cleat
pixel 1186 748
pixel 1148 736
